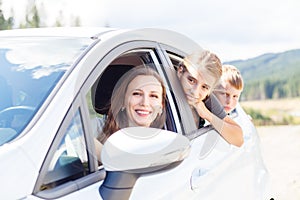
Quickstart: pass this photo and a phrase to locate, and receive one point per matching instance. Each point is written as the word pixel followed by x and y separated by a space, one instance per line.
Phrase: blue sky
pixel 233 29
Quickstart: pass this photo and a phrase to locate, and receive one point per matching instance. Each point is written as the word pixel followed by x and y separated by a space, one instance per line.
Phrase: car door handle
pixel 201 177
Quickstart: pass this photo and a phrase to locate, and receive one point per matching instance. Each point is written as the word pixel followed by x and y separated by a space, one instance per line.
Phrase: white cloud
pixel 232 28
pixel 25 61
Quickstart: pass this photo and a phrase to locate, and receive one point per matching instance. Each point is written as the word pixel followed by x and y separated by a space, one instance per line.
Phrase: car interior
pixel 103 88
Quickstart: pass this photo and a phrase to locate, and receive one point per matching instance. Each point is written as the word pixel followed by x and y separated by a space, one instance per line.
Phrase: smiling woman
pixel 137 100
pixel 143 100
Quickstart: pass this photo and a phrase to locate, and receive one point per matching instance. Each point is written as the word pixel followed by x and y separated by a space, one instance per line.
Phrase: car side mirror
pixel 133 151
pixel 142 150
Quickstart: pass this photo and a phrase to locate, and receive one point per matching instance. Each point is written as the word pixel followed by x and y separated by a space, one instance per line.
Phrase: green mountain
pixel 271 75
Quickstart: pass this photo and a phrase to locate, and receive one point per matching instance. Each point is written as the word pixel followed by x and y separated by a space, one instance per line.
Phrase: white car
pixel 54 85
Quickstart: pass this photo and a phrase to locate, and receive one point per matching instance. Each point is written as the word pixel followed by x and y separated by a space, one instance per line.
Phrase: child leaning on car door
pixel 198 74
pixel 228 92
pixel 229 88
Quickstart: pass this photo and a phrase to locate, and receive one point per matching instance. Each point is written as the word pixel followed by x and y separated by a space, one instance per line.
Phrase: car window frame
pixel 80 103
pixel 71 186
pixel 126 47
pixel 183 109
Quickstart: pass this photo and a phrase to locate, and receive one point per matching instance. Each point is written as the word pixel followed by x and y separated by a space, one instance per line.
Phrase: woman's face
pixel 196 88
pixel 143 100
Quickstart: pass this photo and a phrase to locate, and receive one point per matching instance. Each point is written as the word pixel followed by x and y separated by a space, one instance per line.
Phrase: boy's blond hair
pixel 233 76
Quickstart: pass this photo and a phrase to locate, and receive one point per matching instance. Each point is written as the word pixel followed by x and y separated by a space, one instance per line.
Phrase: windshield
pixel 30 67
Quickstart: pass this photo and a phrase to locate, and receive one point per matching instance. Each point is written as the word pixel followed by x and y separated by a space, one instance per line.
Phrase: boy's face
pixel 195 86
pixel 228 96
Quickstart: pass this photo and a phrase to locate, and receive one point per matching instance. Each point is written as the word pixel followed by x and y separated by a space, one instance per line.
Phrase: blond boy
pixel 229 88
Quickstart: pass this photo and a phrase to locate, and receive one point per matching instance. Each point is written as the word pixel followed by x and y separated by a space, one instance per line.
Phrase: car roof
pixel 163 36
pixel 56 31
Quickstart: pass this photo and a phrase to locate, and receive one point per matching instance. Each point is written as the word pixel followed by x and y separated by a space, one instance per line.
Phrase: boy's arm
pixel 227 128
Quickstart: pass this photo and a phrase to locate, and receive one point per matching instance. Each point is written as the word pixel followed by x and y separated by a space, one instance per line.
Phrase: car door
pixel 179 118
pixel 219 167
pixel 72 168
pixel 211 163
pixel 98 90
pixel 175 182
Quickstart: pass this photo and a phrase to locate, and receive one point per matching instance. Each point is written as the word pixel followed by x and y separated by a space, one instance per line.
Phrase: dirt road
pixel 280 147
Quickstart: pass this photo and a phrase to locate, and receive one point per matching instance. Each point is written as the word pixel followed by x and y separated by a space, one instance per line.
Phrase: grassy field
pixel 280 147
pixel 274 112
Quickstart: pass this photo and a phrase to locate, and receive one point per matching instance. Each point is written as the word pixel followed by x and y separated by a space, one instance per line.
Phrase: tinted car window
pixel 70 160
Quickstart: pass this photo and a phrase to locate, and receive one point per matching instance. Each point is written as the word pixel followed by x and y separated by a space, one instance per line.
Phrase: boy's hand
pixel 202 111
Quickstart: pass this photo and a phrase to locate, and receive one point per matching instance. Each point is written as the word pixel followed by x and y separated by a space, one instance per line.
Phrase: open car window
pixel 100 93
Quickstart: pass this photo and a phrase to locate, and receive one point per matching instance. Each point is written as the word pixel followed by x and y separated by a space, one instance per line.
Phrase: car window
pixel 181 107
pixel 176 61
pixel 27 78
pixel 70 159
pixel 98 97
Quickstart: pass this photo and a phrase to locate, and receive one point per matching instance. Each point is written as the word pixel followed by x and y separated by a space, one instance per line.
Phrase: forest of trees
pixel 5 23
pixel 32 18
pixel 272 89
pixel 271 76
